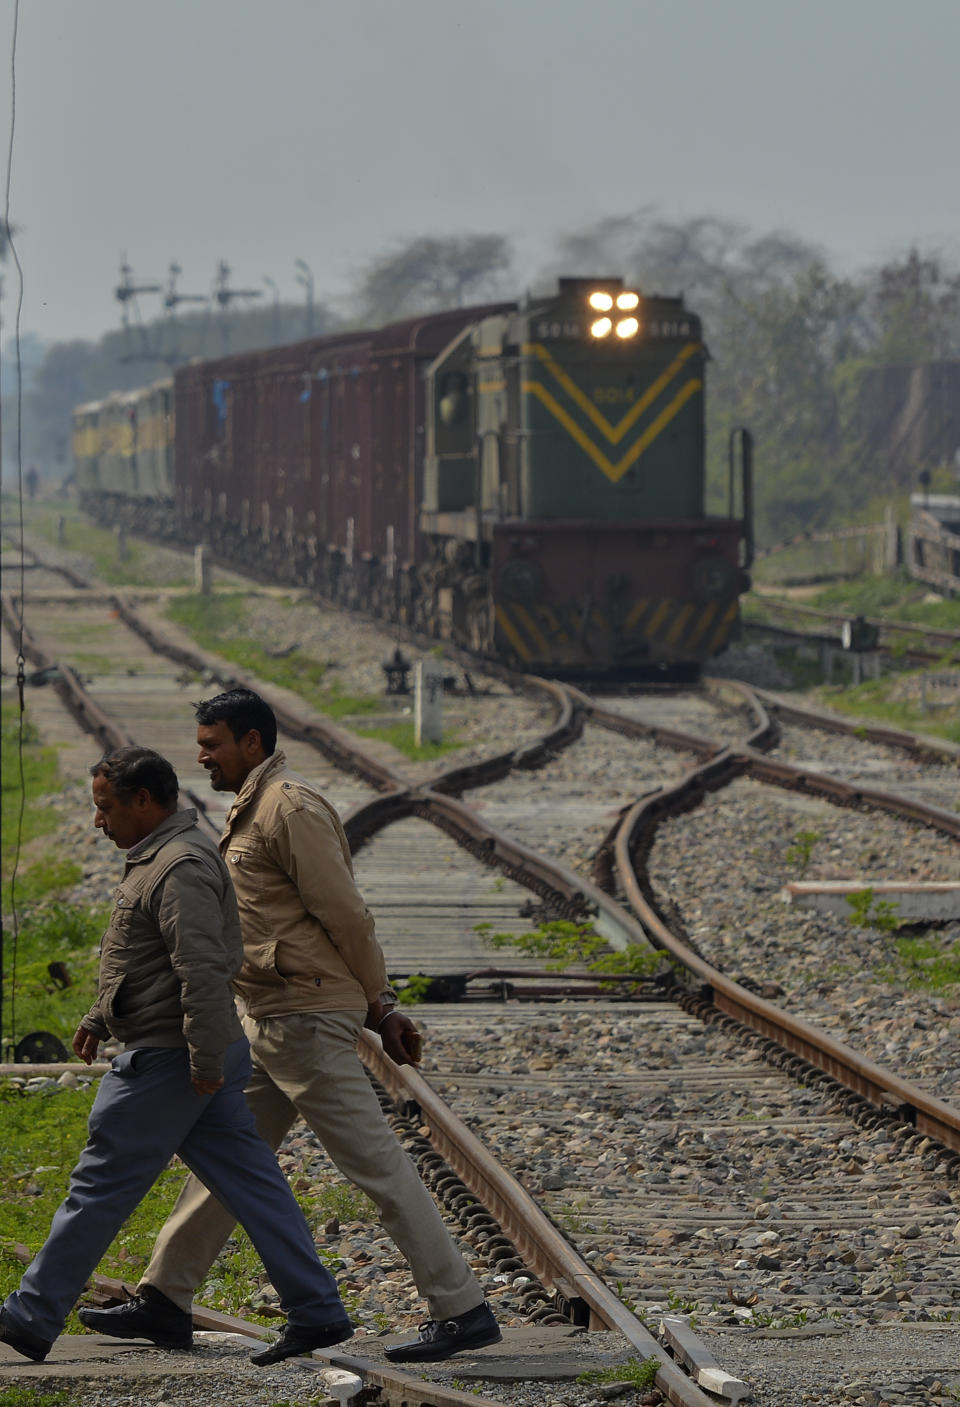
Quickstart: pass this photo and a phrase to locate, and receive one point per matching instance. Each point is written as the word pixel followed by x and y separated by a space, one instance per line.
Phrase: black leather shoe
pixel 28 1344
pixel 296 1342
pixel 439 1338
pixel 150 1316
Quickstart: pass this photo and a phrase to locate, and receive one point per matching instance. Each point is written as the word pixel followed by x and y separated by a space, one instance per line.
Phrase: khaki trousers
pixel 307 1065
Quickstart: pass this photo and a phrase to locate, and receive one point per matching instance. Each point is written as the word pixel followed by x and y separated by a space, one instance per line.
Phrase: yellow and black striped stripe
pixel 669 629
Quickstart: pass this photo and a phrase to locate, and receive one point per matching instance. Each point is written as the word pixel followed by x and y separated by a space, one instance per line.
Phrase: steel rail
pixel 67 686
pixel 516 1211
pixel 910 654
pixel 566 728
pixel 541 1245
pixel 917 744
pixel 928 1115
pixel 335 743
pixel 763 734
pixel 567 892
pixel 78 703
pixel 896 627
pixel 71 576
pixel 344 750
pixel 726 762
pixel 785 774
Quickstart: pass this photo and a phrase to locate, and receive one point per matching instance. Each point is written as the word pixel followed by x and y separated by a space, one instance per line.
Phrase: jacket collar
pixel 253 782
pixel 173 825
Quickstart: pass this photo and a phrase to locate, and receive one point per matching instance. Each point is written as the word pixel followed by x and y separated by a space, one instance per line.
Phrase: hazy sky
pixel 261 131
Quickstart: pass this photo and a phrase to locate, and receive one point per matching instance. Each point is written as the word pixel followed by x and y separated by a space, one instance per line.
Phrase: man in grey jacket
pixel 167 960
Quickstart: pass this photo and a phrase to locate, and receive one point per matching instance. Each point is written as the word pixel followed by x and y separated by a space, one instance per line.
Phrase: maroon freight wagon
pixel 306 462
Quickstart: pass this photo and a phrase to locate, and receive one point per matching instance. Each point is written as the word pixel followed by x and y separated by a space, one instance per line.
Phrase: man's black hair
pixel 127 769
pixel 241 710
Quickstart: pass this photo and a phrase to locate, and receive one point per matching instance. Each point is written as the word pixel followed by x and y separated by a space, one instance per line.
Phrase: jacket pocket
pixel 245 865
pixel 108 997
pixel 126 907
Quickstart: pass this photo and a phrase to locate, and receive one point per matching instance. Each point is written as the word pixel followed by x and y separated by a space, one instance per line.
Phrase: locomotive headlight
pixel 601 302
pixel 601 328
pixel 627 327
pixel 626 301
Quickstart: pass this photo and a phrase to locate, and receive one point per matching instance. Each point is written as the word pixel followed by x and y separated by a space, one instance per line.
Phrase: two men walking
pixel 312 974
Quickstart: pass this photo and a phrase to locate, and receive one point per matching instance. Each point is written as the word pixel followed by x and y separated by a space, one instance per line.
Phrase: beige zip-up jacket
pixel 171 949
pixel 308 937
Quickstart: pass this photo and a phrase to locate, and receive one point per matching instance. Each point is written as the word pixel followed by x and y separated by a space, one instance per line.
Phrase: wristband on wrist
pixel 391 1012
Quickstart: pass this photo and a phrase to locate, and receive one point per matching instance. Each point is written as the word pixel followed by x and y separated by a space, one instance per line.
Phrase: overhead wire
pixel 21 660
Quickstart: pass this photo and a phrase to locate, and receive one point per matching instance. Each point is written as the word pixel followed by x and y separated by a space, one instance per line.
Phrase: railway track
pixel 111 731
pixel 907 640
pixel 472 901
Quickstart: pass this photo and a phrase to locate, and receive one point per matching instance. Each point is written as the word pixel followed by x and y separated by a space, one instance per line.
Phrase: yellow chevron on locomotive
pixel 614 433
pixel 614 471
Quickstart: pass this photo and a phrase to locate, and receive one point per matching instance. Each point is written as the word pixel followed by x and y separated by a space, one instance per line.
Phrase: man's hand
pixel 401 1039
pixel 85 1045
pixel 205 1086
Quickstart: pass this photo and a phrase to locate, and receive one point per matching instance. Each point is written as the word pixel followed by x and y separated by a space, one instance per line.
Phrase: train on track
pixel 526 479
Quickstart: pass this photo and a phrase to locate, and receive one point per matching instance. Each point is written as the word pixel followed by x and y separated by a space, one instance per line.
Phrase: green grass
pixel 894 597
pixel 41 776
pixel 52 933
pixel 219 623
pixel 90 663
pixel 891 700
pixel 17 1396
pixel 638 1372
pixel 400 735
pixel 925 964
pixel 48 931
pixel 99 544
pixel 562 943
pixel 41 779
pixel 42 516
pixel 43 1136
pixel 44 878
pixel 237 1273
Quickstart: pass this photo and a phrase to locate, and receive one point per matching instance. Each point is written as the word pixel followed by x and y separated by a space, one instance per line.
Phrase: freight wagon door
pixel 319 453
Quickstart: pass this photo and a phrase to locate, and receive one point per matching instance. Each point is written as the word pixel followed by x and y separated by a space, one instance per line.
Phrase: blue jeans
pixel 146 1111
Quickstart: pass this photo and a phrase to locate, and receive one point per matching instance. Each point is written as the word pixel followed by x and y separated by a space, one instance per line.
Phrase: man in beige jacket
pixel 313 974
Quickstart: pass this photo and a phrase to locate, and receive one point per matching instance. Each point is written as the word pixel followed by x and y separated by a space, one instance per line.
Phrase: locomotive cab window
pixel 452 400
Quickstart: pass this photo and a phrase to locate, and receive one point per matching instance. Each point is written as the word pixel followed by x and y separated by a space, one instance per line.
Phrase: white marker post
pixel 428 702
pixel 201 569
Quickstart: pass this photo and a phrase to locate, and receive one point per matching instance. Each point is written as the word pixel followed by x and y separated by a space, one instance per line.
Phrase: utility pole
pixel 225 295
pixel 276 306
pixel 305 280
pixel 171 301
pixel 127 293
